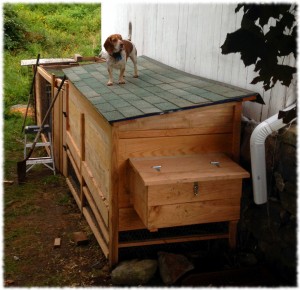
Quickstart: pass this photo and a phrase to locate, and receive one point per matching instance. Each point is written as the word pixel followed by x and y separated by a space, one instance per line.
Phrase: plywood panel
pixel 219 121
pixel 187 168
pixel 172 146
pixel 184 192
pixel 194 213
pixel 97 154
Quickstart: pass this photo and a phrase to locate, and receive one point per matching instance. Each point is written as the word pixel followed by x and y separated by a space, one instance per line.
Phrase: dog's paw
pixel 136 76
pixel 110 83
pixel 121 82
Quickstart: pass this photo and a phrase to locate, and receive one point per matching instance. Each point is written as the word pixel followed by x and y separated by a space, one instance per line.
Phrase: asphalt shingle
pixel 159 89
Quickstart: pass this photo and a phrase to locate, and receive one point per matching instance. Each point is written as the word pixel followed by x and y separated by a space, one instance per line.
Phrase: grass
pixel 54 31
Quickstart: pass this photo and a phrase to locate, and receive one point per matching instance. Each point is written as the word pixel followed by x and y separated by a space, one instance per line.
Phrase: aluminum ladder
pixel 48 160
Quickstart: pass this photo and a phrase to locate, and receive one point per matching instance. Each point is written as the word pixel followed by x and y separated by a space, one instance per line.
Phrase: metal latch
pixel 196 188
pixel 157 168
pixel 215 163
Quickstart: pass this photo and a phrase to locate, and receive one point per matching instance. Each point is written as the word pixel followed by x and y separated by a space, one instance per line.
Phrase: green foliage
pixel 265 49
pixel 14 28
pixel 53 30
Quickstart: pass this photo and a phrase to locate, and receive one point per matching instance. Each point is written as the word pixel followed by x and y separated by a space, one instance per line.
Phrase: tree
pixel 14 29
pixel 265 50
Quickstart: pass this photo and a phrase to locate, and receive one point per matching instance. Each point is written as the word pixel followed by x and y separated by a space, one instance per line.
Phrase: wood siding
pixel 188 37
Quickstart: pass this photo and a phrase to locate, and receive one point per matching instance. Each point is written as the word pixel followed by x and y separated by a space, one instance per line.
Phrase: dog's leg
pixel 110 79
pixel 121 78
pixel 133 57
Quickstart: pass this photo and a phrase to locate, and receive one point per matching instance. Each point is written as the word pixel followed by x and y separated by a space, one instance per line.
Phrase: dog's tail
pixel 129 30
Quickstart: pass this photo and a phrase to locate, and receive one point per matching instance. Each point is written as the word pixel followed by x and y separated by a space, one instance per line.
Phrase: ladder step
pixel 41 160
pixel 39 144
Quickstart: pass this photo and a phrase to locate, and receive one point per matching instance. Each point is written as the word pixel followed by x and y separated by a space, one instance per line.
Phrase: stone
pixel 134 272
pixel 279 181
pixel 57 242
pixel 173 266
pixel 80 238
pixel 22 110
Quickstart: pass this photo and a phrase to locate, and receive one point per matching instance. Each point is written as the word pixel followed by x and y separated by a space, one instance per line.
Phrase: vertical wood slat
pixel 114 202
pixel 65 122
pixel 82 159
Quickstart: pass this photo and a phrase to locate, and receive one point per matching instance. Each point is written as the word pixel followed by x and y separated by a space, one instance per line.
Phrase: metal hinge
pixel 196 188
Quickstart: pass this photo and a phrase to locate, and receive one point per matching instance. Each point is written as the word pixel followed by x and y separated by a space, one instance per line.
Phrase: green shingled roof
pixel 159 89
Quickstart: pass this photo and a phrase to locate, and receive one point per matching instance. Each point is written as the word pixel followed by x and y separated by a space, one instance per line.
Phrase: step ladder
pixel 48 160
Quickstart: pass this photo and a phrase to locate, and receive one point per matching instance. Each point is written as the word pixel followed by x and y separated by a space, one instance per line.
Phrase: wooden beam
pixel 177 239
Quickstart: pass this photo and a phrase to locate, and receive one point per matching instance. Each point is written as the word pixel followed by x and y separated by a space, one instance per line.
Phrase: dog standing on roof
pixel 118 51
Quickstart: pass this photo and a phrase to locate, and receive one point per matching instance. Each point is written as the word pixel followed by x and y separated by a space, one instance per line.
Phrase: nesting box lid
pixel 187 168
pixel 159 89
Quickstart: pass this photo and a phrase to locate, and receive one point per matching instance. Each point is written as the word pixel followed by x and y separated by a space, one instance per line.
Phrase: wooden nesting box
pixel 160 151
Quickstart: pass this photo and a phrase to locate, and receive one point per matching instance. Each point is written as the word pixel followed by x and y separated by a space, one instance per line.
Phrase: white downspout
pixel 258 158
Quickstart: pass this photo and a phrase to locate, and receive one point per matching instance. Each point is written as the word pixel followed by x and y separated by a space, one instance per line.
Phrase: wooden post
pixel 113 222
pixel 82 159
pixel 65 127
pixel 232 233
pixel 236 131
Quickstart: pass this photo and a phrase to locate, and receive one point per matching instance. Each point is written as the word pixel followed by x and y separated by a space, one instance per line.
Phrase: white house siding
pixel 188 37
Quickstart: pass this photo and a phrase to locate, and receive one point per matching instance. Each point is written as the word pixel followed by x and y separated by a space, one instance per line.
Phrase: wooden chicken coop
pixel 158 152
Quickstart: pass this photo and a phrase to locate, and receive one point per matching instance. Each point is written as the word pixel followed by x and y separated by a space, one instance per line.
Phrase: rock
pixel 279 181
pixel 173 266
pixel 134 272
pixel 80 238
pixel 22 109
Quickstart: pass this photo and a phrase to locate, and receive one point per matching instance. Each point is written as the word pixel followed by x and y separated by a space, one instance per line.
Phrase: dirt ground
pixel 35 214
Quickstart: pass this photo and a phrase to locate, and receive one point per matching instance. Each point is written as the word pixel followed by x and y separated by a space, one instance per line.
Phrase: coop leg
pixel 232 233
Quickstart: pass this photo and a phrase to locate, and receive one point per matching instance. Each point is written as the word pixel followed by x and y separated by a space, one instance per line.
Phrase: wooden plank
pixel 100 200
pixel 139 195
pixel 129 220
pixel 82 158
pixel 64 130
pixel 189 168
pixel 45 75
pixel 177 239
pixel 26 62
pixel 176 132
pixel 98 216
pixel 74 150
pixel 96 233
pixel 74 192
pixel 193 213
pixel 114 201
pixel 57 242
pixel 220 121
pixel 172 146
pixel 184 192
pixel 75 168
pixel 97 156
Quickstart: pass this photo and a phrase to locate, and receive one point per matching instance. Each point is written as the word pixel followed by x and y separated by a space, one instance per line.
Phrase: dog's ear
pixel 108 46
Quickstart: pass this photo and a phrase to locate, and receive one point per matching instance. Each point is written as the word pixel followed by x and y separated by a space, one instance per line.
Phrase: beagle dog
pixel 118 51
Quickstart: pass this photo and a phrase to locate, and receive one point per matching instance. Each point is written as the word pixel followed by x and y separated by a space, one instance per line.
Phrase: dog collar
pixel 117 55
